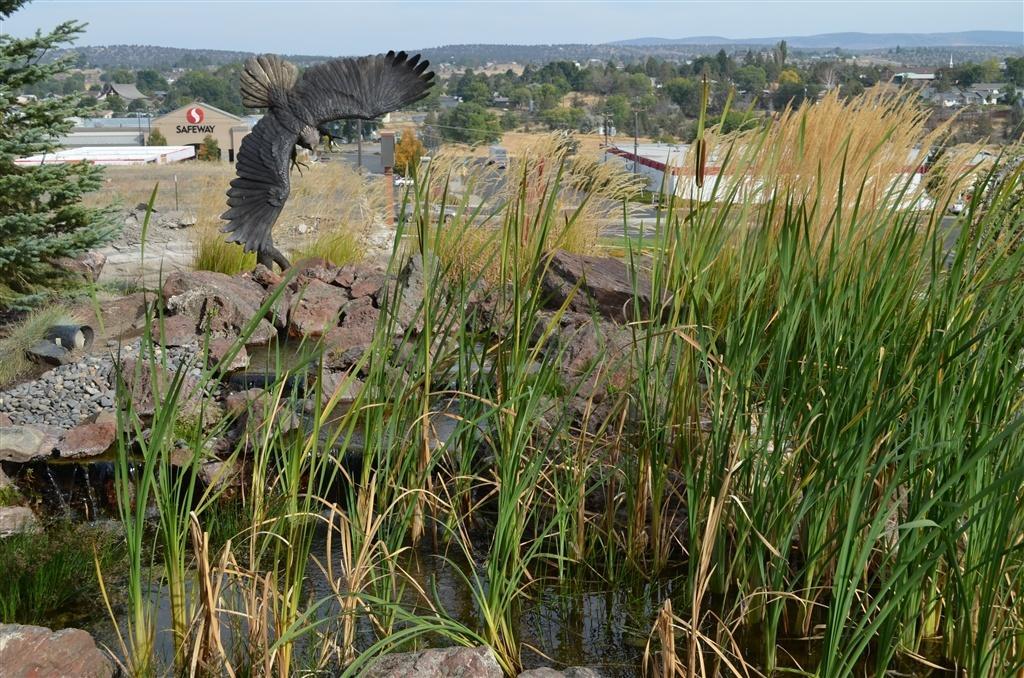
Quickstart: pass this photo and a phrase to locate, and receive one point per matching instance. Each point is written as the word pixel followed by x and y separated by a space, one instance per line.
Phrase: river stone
pixel 601 284
pixel 177 330
pixel 37 652
pixel 315 309
pixel 145 393
pixel 345 344
pixel 408 311
pixel 313 268
pixel 571 672
pixel 265 277
pixel 451 662
pixel 242 402
pixel 49 353
pixel 124 313
pixel 341 384
pixel 224 476
pixel 16 520
pixel 272 282
pixel 92 437
pixel 219 349
pixel 178 219
pixel 367 283
pixel 21 444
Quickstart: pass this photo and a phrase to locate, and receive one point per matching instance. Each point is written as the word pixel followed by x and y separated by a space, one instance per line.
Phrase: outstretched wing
pixel 261 188
pixel 366 87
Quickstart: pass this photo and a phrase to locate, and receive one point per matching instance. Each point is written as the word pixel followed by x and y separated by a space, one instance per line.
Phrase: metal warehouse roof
pixel 133 122
pixel 112 155
pixel 125 136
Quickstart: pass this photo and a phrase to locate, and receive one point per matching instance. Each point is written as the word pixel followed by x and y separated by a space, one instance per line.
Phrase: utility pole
pixel 636 139
pixel 605 126
pixel 359 144
pixel 636 133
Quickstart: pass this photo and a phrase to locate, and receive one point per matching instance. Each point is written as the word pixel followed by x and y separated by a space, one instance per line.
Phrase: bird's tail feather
pixel 265 80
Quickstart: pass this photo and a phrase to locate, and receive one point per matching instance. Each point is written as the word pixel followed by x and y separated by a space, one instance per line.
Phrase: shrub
pixel 214 253
pixel 338 247
pixel 209 150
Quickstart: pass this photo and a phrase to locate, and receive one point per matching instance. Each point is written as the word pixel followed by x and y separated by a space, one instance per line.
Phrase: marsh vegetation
pixel 799 448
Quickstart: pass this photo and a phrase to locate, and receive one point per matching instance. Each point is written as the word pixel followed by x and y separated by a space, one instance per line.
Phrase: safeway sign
pixel 195 117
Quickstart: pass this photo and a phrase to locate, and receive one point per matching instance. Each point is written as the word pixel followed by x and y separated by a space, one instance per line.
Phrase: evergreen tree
pixel 41 215
pixel 157 138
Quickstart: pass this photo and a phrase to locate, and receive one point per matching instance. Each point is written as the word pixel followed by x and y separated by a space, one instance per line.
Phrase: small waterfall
pixel 56 489
pixel 90 496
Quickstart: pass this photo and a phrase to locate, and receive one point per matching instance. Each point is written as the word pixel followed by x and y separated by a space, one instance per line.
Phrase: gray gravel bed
pixel 66 395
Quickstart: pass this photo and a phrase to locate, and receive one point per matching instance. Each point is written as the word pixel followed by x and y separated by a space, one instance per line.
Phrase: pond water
pixel 589 623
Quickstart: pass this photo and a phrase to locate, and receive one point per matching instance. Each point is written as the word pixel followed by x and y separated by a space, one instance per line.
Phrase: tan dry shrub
pixel 822 153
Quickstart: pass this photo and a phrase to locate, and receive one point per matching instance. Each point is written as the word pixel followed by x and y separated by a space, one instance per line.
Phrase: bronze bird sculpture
pixel 297 109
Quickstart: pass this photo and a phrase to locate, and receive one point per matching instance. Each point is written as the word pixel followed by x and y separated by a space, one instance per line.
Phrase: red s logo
pixel 195 115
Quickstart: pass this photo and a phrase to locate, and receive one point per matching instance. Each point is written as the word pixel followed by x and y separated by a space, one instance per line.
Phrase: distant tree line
pixel 660 96
pixel 663 97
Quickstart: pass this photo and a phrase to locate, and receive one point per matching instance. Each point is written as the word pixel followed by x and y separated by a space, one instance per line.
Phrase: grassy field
pixel 815 435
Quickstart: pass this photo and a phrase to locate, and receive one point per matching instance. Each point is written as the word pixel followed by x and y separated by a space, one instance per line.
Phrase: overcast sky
pixel 335 27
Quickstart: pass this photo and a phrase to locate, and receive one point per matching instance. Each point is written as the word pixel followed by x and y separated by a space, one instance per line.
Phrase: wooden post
pixel 387 159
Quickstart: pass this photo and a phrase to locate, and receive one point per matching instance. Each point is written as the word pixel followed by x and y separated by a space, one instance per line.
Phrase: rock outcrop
pixel 220 302
pixel 38 652
pixel 22 443
pixel 16 520
pixel 596 284
pixel 450 662
pixel 92 437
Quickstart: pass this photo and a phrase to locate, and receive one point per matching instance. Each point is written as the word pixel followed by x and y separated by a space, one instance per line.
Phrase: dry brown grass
pixel 816 150
pixel 329 204
pixel 590 192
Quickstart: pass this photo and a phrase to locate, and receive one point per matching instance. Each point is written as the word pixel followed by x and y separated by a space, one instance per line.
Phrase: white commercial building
pixel 113 155
pixel 669 168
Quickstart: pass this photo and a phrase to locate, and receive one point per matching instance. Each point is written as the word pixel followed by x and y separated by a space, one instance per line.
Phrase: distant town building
pixel 986 93
pixel 981 94
pixel 126 92
pixel 914 78
pixel 190 124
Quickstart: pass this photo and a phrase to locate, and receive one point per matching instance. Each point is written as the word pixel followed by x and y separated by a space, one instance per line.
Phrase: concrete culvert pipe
pixel 71 337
